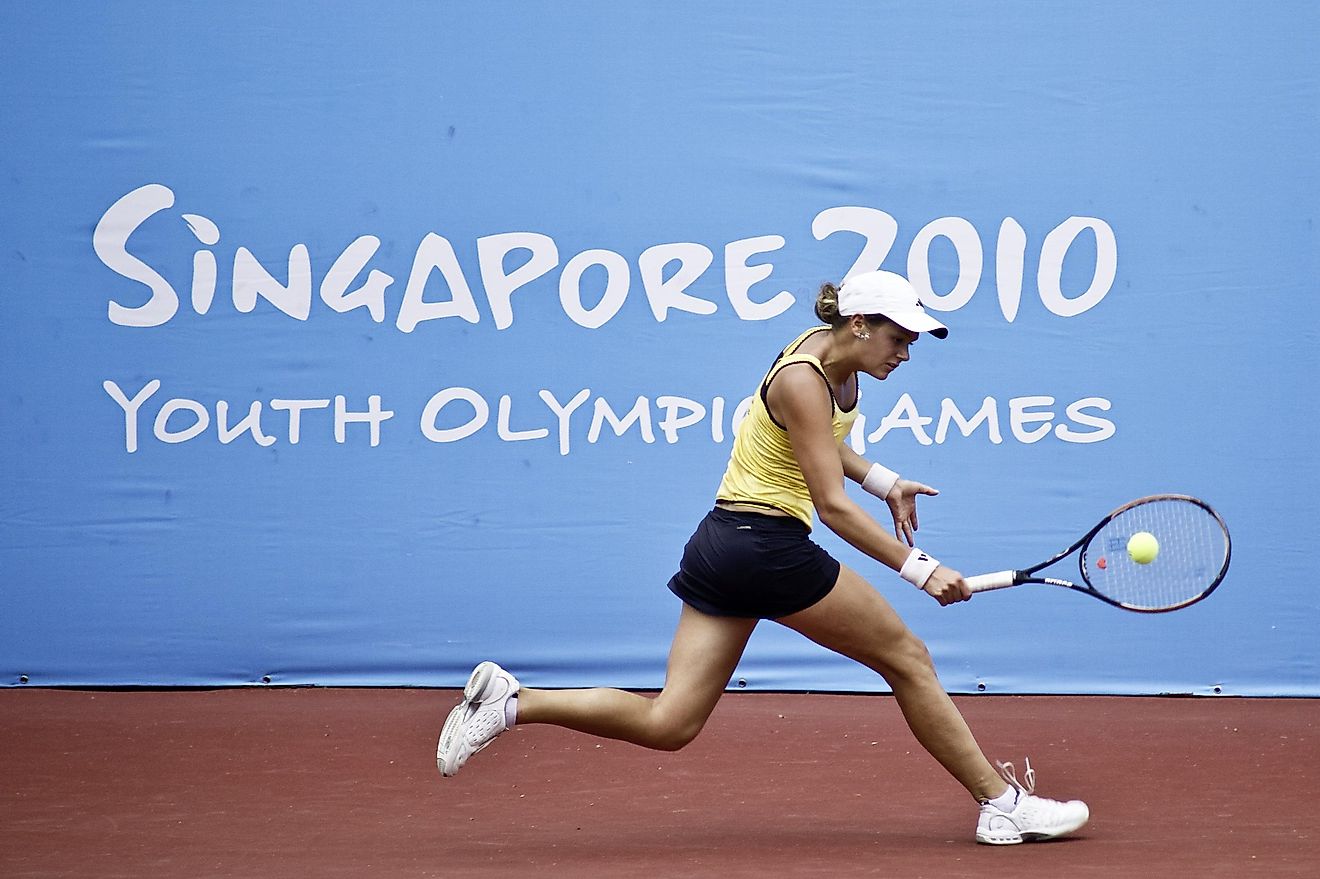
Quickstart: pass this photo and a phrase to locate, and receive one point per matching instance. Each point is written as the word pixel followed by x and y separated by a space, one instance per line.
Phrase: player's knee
pixel 678 737
pixel 909 658
pixel 673 733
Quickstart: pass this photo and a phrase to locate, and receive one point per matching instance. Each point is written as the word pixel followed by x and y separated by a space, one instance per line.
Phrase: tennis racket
pixel 1194 550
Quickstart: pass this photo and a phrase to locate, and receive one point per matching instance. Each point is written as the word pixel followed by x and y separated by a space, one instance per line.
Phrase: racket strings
pixel 1193 548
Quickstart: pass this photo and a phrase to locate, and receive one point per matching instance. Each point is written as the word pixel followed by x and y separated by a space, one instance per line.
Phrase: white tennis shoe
pixel 478 719
pixel 1033 818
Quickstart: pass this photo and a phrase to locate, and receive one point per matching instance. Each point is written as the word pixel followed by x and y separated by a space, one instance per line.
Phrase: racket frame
pixel 1005 579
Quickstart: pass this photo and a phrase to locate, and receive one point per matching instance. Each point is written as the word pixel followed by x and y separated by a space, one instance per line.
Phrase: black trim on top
pixel 820 370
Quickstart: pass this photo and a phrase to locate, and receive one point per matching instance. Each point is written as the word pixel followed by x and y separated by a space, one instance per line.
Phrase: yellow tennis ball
pixel 1143 547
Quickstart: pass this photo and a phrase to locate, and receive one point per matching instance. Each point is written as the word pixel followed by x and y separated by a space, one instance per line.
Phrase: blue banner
pixel 352 345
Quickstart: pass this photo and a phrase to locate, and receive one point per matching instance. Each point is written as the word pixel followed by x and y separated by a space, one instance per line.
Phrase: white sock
pixel 511 710
pixel 1007 801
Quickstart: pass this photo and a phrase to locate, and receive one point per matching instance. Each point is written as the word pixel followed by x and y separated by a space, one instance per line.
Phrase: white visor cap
pixel 891 295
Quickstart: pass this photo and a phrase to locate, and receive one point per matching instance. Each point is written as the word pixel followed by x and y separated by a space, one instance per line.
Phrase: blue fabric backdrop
pixel 352 344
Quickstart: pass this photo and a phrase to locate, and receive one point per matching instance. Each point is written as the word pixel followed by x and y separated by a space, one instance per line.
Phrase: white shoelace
pixel 1028 783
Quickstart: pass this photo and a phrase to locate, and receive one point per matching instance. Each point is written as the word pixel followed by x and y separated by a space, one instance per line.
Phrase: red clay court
pixel 342 783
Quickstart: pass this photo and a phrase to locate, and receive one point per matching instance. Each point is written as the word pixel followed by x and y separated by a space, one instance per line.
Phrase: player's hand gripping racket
pixel 1190 556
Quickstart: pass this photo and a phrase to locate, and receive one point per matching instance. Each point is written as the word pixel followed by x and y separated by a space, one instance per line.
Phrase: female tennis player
pixel 752 558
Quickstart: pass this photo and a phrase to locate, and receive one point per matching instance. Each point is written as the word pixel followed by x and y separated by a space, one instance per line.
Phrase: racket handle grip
pixel 986 582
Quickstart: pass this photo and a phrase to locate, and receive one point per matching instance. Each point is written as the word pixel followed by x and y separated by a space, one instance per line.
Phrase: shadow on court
pixel 342 782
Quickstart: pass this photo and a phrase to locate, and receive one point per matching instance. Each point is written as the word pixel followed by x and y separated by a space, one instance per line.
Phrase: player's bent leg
pixel 702 658
pixel 856 621
pixel 705 651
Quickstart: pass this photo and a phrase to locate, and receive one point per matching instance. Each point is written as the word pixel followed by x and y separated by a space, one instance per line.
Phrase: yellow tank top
pixel 762 469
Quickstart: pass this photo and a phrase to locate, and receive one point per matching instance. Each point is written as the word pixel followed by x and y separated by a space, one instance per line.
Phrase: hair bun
pixel 827 304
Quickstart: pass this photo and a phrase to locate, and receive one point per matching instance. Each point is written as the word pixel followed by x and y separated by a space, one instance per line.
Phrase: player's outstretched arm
pixel 901 495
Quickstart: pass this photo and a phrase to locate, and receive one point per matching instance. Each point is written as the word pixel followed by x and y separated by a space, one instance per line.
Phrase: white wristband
pixel 880 480
pixel 918 568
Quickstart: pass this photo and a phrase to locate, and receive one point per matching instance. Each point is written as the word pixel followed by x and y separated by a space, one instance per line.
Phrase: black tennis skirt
pixel 741 564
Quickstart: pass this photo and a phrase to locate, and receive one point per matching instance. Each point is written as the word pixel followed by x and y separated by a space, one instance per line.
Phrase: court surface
pixel 342 782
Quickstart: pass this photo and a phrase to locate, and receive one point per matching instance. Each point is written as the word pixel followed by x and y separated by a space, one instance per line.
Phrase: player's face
pixel 889 347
